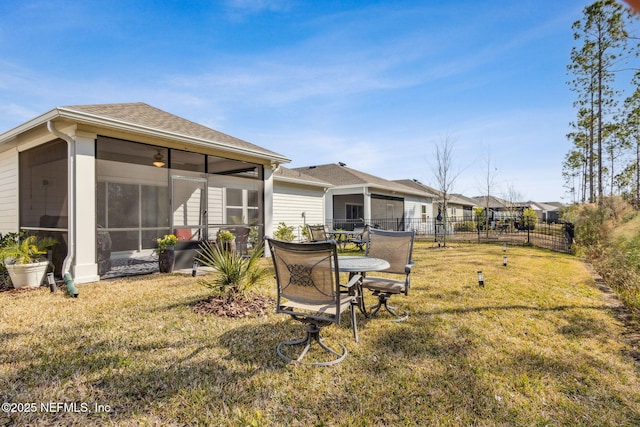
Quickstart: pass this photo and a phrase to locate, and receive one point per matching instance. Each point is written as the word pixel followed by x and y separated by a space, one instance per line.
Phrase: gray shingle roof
pixel 339 175
pixel 419 186
pixel 141 114
pixel 286 174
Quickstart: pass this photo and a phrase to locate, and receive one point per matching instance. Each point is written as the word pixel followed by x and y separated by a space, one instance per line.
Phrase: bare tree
pixel 513 204
pixel 445 178
pixel 489 184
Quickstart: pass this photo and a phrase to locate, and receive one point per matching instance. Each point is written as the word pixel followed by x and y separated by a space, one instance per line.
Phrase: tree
pixel 594 65
pixel 631 131
pixel 529 218
pixel 580 160
pixel 445 177
pixel 572 168
pixel 512 199
pixel 489 184
pixel 479 215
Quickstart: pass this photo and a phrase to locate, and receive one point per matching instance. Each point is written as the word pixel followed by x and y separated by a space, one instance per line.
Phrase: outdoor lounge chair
pixel 396 248
pixel 360 237
pixel 308 283
pixel 317 233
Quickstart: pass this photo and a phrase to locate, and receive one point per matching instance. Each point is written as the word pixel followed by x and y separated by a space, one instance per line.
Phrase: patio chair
pixel 242 239
pixel 360 237
pixel 317 233
pixel 309 291
pixel 396 248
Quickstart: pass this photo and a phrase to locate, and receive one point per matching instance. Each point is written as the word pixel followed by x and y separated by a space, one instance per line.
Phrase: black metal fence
pixel 554 236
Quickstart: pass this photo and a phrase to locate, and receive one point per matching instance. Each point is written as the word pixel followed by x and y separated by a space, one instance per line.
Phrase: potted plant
pixel 166 251
pixel 226 240
pixel 24 258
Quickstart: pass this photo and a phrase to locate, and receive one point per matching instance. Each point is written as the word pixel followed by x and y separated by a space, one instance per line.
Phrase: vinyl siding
pixel 8 192
pixel 290 200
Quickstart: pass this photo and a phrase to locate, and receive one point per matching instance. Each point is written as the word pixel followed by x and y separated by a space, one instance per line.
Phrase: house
pixel 298 200
pixel 107 180
pixel 548 212
pixel 357 198
pixel 462 207
pixel 459 208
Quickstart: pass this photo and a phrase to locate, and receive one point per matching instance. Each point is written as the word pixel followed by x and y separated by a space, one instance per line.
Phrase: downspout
pixel 71 205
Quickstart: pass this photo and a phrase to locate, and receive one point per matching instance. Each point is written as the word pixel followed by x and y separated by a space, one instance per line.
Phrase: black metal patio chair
pixel 309 291
pixel 395 247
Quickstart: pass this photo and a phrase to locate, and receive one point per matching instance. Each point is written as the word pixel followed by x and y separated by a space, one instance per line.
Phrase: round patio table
pixel 359 265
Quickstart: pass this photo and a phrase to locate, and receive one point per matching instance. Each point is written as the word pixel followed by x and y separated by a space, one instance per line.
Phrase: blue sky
pixel 373 84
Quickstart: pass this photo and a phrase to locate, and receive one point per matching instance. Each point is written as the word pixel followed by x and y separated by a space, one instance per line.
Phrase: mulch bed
pixel 235 306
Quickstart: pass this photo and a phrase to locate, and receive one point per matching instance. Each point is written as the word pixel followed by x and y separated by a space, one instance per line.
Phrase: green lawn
pixel 538 345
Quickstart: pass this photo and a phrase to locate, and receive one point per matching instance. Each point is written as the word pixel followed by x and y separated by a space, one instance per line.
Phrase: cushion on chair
pixel 383 284
pixel 326 309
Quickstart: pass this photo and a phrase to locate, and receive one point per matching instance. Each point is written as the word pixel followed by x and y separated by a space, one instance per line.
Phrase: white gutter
pixel 71 190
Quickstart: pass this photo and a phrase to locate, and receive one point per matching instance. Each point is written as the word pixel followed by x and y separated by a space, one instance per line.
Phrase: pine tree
pixel 594 65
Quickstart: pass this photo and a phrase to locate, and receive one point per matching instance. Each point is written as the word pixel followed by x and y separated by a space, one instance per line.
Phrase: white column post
pixel 85 266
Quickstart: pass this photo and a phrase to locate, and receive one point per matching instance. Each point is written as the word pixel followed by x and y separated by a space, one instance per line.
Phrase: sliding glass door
pixel 188 207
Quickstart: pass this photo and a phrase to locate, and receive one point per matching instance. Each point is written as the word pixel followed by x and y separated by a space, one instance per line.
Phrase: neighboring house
pixel 423 207
pixel 298 200
pixel 500 209
pixel 459 207
pixel 107 180
pixel 548 212
pixel 357 198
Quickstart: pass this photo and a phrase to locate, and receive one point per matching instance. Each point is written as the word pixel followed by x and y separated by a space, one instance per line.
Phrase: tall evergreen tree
pixel 631 132
pixel 604 37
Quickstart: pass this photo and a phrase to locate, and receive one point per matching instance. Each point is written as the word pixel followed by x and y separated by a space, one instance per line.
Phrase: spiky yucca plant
pixel 235 273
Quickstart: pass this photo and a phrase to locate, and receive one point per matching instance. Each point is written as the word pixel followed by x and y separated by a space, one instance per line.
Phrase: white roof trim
pixel 302 181
pixel 93 119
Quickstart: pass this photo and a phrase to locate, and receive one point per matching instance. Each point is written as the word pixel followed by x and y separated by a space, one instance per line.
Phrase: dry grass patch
pixel 537 346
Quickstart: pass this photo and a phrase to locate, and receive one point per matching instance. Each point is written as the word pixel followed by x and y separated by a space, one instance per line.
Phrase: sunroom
pixel 107 180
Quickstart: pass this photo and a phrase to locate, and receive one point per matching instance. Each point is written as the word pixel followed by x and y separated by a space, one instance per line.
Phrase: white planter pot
pixel 29 275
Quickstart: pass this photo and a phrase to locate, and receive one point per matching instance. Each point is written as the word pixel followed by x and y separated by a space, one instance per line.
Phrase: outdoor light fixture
pixel 504 247
pixel 158 160
pixel 194 269
pixel 504 260
pixel 480 279
pixel 52 282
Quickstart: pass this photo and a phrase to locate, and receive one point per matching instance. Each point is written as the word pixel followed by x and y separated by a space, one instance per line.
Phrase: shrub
pixel 25 251
pixel 284 232
pixel 480 217
pixel 235 274
pixel 164 242
pixel 465 226
pixel 529 219
pixel 609 236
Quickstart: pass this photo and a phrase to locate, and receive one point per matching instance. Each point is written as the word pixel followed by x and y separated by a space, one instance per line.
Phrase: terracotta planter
pixel 167 259
pixel 27 275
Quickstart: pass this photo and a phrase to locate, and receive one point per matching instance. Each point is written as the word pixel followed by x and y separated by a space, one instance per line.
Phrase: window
pixel 43 186
pixel 354 211
pixel 183 160
pixel 242 206
pixel 132 194
pixel 423 212
pixel 43 194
